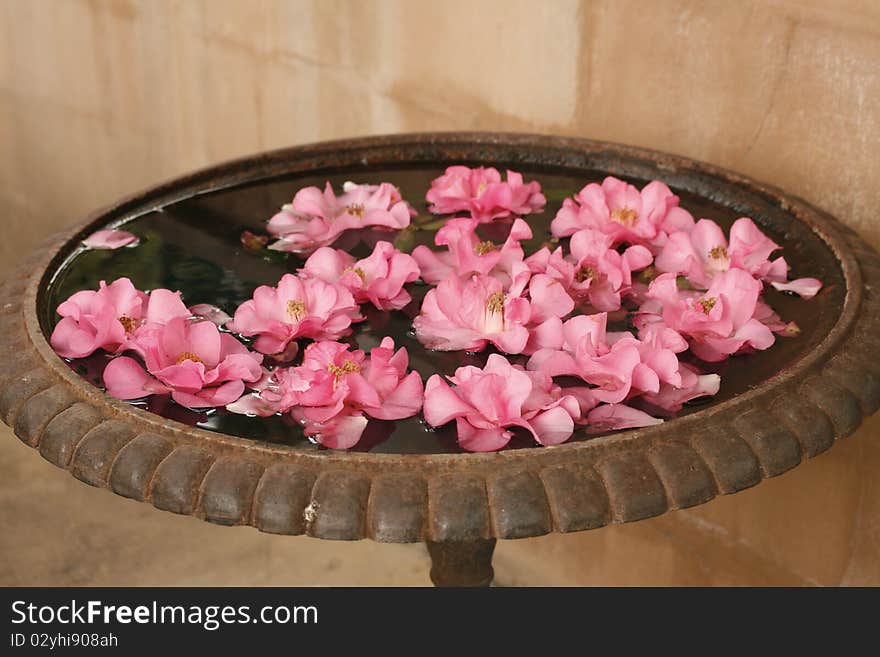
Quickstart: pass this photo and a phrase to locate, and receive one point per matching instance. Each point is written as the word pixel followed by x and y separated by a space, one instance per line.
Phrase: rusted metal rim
pixel 404 498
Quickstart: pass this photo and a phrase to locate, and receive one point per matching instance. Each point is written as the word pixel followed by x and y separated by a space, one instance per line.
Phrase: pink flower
pixel 110 240
pixel 596 273
pixel 577 348
pixel 467 254
pixel 316 218
pixel 200 366
pixel 659 365
pixel 717 323
pixel 486 402
pixel 618 364
pixel 377 279
pixel 697 254
pixel 109 317
pixel 693 385
pixel 620 210
pixel 98 320
pixel 703 252
pixel 334 390
pixel 400 393
pixel 468 314
pixel 296 308
pixel 481 192
pixel 750 250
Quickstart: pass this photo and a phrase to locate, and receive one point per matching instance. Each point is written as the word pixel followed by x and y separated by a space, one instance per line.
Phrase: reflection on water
pixel 194 246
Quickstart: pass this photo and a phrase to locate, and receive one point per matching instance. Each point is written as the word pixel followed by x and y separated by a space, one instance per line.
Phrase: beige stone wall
pixel 101 97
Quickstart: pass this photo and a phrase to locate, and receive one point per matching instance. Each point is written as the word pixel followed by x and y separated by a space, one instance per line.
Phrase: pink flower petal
pixel 125 378
pixel 548 299
pixel 253 406
pixel 110 239
pixel 481 440
pixel 404 401
pixel 328 264
pixel 434 266
pixel 343 432
pixel 608 417
pixel 552 427
pixel 805 287
pixel 442 404
pixel 165 305
pixel 210 397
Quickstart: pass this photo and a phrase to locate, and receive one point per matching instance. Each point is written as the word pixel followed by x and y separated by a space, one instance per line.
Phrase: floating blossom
pixel 467 254
pixel 806 288
pixel 110 317
pixel 693 385
pixel 596 273
pixel 109 240
pixel 481 192
pixel 609 417
pixel 703 253
pixel 378 279
pixel 620 210
pixel 317 218
pixel 296 308
pixel 617 364
pixel 200 366
pixel 335 389
pixel 486 403
pixel 581 350
pixel 719 322
pixel 488 292
pixel 469 314
pixel 101 319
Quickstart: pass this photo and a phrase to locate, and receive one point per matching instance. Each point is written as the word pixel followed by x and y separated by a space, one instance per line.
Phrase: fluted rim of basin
pixel 620 477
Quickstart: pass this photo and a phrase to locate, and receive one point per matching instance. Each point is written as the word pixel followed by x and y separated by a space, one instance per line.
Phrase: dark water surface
pixel 194 246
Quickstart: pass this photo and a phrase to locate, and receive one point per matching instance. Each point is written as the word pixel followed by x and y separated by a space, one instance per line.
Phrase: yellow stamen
pixel 585 274
pixel 481 188
pixel 625 216
pixel 356 209
pixel 484 247
pixel 348 367
pixel 358 271
pixel 128 323
pixel 296 310
pixel 495 303
pixel 707 304
pixel 718 252
pixel 188 355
